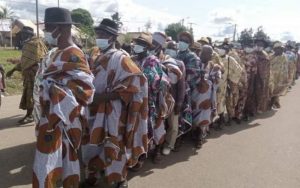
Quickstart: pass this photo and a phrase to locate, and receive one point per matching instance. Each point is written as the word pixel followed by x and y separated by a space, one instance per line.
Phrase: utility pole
pixel 234 33
pixel 37 18
pixel 57 3
pixel 191 25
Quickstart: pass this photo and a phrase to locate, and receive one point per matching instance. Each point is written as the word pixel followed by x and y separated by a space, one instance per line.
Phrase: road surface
pixel 263 153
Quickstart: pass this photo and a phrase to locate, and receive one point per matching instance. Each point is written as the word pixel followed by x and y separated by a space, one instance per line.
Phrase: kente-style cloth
pixel 160 101
pixel 92 55
pixel 118 127
pixel 279 75
pixel 251 70
pixel 176 73
pixel 230 77
pixel 192 64
pixel 204 96
pixel 65 89
pixel 32 52
pixel 262 79
pixel 292 60
pixel 43 65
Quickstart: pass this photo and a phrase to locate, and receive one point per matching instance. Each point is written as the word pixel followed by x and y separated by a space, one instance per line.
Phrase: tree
pixel 6 12
pixel 260 34
pixel 117 18
pixel 84 18
pixel 246 36
pixel 174 29
pixel 148 25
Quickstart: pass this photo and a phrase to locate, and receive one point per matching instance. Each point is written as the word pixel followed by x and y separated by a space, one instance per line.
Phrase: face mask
pixel 248 50
pixel 137 49
pixel 222 52
pixel 152 52
pixel 172 53
pixel 50 39
pixel 103 44
pixel 183 46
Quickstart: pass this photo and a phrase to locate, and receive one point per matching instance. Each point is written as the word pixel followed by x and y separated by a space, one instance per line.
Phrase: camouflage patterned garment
pixel 232 74
pixel 292 61
pixel 279 75
pixel 262 80
pixel 32 52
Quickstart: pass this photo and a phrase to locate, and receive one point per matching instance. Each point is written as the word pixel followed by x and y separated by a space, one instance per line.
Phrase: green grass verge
pixel 14 84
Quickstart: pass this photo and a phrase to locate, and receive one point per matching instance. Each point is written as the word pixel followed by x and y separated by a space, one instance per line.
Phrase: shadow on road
pixel 16 165
pixel 188 150
pixel 12 122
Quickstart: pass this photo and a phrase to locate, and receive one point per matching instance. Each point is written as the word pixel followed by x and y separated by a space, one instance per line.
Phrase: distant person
pixel 279 74
pixel 2 82
pixel 33 51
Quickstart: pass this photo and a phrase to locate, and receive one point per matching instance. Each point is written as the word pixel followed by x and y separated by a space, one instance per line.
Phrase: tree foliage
pixel 117 18
pixel 246 36
pixel 174 29
pixel 84 18
pixel 260 34
pixel 6 12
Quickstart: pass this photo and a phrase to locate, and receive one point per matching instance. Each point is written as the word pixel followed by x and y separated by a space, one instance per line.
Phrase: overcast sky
pixel 214 18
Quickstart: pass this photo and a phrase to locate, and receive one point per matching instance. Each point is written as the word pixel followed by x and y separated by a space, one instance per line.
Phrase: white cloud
pixel 133 15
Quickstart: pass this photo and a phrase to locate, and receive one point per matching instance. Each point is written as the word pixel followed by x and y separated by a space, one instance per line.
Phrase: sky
pixel 215 18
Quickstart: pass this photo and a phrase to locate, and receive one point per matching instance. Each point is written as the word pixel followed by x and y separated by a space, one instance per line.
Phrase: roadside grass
pixel 14 84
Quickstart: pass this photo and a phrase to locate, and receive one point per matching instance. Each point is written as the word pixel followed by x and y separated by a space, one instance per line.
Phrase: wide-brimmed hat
pixel 108 25
pixel 56 15
pixel 160 38
pixel 187 34
pixel 145 37
pixel 196 46
pixel 278 44
pixel 28 30
pixel 203 40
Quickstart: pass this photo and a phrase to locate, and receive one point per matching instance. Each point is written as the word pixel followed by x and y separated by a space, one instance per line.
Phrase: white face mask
pixel 137 49
pixel 248 50
pixel 103 44
pixel 50 39
pixel 221 52
pixel 172 53
pixel 183 46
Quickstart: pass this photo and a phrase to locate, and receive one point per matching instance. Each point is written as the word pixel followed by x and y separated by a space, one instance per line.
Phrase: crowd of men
pixel 114 107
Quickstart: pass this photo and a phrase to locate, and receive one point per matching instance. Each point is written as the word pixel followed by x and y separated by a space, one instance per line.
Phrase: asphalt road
pixel 263 153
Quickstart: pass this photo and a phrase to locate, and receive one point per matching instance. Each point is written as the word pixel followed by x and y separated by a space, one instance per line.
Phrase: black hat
pixel 55 15
pixel 109 26
pixel 28 30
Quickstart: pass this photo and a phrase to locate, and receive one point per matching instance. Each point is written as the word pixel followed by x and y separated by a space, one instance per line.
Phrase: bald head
pixel 206 53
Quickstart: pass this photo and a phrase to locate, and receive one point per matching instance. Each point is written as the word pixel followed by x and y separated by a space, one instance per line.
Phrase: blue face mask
pixel 172 53
pixel 183 46
pixel 103 44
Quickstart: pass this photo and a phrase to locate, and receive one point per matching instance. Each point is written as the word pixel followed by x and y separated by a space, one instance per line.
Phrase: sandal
pixel 26 120
pixel 123 184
